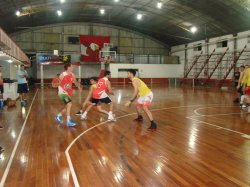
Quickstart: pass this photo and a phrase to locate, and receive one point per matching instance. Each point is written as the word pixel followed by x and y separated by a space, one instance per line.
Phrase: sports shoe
pixel 153 126
pixel 78 113
pixel 59 119
pixel 139 119
pixel 111 117
pixel 71 123
pixel 242 106
pixel 83 116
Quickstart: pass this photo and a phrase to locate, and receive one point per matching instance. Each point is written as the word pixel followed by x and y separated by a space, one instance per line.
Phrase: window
pixel 222 44
pixel 73 40
pixel 197 47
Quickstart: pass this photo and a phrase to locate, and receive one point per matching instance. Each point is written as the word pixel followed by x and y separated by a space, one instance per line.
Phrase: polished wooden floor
pixel 202 139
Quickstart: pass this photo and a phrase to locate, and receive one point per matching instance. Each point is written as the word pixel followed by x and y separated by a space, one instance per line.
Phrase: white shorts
pixel 145 100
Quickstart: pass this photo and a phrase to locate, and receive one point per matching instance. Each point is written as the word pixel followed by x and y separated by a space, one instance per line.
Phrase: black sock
pixel 139 116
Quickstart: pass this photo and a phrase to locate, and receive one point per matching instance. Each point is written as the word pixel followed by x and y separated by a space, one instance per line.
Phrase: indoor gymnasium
pixel 124 93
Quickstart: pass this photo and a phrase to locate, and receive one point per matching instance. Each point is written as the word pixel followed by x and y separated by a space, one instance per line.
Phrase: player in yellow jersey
pixel 145 97
pixel 93 81
pixel 241 85
pixel 247 89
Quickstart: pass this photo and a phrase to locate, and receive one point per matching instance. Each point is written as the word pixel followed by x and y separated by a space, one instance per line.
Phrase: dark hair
pixel 132 71
pixel 67 65
pixel 107 73
pixel 21 65
pixel 242 66
pixel 93 78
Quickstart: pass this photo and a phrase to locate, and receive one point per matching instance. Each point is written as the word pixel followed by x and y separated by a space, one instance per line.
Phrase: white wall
pixel 8 70
pixel 150 70
pixel 242 39
pixel 50 37
pixel 87 71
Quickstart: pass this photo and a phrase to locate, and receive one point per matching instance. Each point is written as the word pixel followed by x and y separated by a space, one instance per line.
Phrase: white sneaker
pixel 83 116
pixel 111 117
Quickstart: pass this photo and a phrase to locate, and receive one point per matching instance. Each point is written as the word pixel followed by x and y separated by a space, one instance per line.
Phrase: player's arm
pixel 110 90
pixel 77 83
pixel 241 75
pixel 21 75
pixel 135 93
pixel 61 76
pixel 246 78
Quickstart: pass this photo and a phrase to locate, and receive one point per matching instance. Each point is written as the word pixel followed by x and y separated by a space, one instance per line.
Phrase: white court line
pixel 71 167
pixel 16 145
pixel 209 115
pixel 197 113
pixel 218 127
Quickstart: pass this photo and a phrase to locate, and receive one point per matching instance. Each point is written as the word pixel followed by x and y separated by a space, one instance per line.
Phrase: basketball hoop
pixel 105 59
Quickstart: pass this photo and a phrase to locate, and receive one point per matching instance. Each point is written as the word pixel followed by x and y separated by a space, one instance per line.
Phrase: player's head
pixel 58 74
pixel 107 74
pixel 68 67
pixel 242 68
pixel 93 80
pixel 22 66
pixel 131 73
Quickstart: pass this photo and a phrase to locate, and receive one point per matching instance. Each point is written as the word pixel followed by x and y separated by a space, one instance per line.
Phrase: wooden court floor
pixel 203 139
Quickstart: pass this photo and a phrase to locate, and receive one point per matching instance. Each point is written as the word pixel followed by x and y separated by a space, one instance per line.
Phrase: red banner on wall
pixel 91 46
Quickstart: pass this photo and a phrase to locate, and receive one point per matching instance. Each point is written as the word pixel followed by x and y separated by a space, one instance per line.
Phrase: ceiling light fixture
pixel 159 5
pixel 139 16
pixel 193 29
pixel 59 12
pixel 102 11
pixel 10 61
pixel 62 1
pixel 116 1
pixel 18 13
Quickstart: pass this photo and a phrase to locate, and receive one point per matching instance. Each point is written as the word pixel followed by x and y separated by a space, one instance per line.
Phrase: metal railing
pixel 10 48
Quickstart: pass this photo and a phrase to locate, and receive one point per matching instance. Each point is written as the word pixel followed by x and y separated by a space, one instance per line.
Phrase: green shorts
pixel 65 98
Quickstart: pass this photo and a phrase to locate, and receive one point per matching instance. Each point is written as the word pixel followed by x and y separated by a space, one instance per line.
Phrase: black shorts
pixel 105 100
pixel 22 88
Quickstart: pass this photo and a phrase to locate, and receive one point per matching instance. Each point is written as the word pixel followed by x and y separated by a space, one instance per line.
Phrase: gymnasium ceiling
pixel 171 24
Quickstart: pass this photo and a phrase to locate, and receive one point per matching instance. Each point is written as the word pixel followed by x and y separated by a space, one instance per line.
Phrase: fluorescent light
pixel 102 11
pixel 139 16
pixel 159 5
pixel 59 12
pixel 193 29
pixel 62 1
pixel 18 13
pixel 116 1
pixel 10 61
